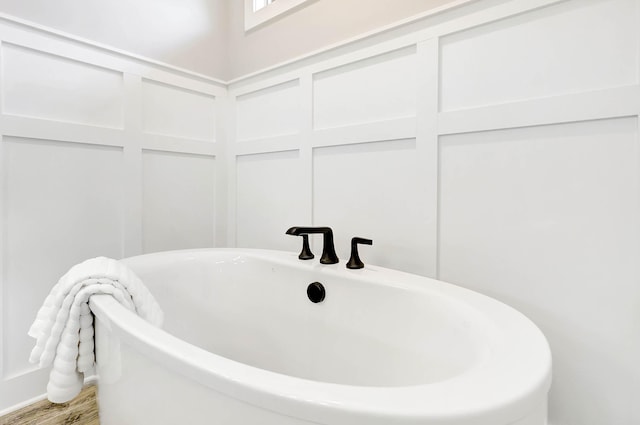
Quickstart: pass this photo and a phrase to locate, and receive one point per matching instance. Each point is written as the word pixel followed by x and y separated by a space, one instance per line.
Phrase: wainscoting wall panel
pixel 74 122
pixel 174 111
pixel 38 84
pixel 541 53
pixel 376 89
pixel 495 146
pixel 270 199
pixel 269 112
pixel 358 186
pixel 56 194
pixel 173 184
pixel 559 240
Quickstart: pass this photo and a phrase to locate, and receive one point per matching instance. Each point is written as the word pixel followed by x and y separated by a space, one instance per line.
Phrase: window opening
pixel 259 4
pixel 257 12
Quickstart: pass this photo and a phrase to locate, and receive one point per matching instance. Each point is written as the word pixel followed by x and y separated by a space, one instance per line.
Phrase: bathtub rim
pixel 490 393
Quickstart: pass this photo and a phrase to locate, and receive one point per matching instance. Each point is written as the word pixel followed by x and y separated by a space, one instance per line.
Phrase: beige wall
pixel 190 34
pixel 317 25
pixel 207 36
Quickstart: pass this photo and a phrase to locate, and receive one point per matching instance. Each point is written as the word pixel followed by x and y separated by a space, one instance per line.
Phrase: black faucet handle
pixel 306 253
pixel 354 261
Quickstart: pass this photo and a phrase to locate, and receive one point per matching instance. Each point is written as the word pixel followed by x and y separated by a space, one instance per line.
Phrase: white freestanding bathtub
pixel 243 344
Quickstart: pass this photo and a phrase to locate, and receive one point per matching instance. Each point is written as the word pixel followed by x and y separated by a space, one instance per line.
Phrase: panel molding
pixel 427 146
pixel 307 145
pixel 132 192
pixel 585 106
pixel 393 129
pixel 177 144
pixel 37 128
pixel 268 144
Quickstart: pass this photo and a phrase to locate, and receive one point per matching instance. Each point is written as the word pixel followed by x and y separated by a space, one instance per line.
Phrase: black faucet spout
pixel 329 255
pixel 297 230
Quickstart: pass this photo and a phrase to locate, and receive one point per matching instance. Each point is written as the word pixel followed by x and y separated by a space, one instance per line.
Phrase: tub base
pixel 134 390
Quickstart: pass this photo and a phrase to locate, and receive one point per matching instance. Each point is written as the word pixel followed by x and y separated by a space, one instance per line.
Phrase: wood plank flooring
pixel 82 410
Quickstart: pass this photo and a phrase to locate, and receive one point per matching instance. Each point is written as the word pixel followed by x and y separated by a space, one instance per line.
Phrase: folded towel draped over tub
pixel 63 327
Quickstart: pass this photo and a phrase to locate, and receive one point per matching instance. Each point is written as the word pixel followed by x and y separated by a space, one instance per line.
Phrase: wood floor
pixel 82 410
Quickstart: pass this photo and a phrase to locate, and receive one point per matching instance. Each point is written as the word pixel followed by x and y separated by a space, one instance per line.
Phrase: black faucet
pixel 354 261
pixel 328 250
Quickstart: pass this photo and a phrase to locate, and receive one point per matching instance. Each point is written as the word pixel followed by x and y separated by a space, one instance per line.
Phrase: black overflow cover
pixel 315 292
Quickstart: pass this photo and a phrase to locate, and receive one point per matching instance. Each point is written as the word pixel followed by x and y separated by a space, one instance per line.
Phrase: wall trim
pixel 91 380
pixel 24 404
pixel 22 23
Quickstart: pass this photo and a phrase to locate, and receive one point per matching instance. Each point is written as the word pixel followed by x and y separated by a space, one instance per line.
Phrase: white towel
pixel 63 327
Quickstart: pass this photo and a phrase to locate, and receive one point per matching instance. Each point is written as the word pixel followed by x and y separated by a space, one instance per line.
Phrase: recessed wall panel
pixel 374 190
pixel 177 201
pixel 547 220
pixel 375 89
pixel 62 204
pixel 40 85
pixel 271 197
pixel 269 112
pixel 174 111
pixel 570 47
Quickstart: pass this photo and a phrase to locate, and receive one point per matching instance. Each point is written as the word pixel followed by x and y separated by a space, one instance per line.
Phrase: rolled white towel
pixel 63 327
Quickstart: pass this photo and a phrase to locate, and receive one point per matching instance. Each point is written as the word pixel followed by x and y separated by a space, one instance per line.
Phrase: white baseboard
pixel 90 380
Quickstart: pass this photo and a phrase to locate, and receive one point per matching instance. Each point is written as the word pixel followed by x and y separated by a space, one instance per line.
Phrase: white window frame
pixel 254 18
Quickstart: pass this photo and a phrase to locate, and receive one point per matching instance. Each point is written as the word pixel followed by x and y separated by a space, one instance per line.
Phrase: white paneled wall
pixel 190 116
pixel 344 96
pixel 66 90
pixel 270 196
pixel 357 187
pixel 101 154
pixel 60 199
pixel 496 147
pixel 270 112
pixel 178 200
pixel 549 52
pixel 559 240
